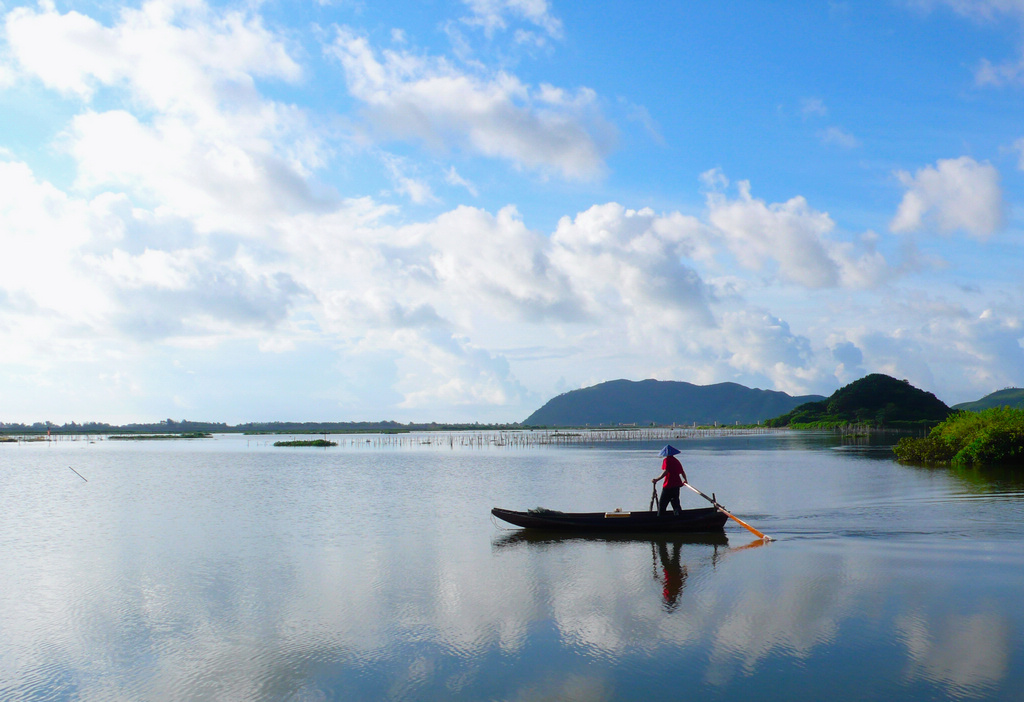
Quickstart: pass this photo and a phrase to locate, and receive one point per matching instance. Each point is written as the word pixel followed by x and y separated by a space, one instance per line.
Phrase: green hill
pixel 1008 397
pixel 876 400
pixel 663 402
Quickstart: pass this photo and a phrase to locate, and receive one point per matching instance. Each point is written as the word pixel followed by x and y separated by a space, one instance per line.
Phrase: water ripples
pixel 263 577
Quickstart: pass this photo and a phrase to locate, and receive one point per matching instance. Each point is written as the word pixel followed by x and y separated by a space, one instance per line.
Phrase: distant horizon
pixel 461 208
pixel 5 423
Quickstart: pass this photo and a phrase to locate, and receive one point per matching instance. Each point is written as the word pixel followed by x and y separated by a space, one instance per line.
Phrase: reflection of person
pixel 675 477
pixel 673 575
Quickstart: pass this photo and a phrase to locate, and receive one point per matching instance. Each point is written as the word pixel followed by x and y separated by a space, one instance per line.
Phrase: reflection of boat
pixel 707 519
pixel 669 567
pixel 541 537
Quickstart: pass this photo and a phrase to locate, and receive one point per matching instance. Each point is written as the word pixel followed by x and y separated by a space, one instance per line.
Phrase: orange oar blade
pixel 739 521
pixel 746 526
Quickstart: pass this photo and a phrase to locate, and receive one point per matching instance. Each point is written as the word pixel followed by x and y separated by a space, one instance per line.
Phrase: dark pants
pixel 669 494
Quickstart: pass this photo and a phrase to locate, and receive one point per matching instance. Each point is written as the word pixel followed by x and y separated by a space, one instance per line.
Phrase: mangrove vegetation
pixel 994 436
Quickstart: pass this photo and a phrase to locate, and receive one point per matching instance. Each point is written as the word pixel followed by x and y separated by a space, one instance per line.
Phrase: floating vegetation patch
pixel 158 437
pixel 310 442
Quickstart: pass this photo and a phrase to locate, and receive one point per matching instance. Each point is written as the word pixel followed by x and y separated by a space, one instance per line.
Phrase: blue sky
pixel 452 211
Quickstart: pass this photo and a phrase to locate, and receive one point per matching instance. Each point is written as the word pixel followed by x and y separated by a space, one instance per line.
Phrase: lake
pixel 227 569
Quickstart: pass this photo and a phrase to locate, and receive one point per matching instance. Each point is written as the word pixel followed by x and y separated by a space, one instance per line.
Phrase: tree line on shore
pixel 170 426
pixel 995 434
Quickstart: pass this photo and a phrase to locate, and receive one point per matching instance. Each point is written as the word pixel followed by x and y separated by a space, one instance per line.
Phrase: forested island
pixel 875 400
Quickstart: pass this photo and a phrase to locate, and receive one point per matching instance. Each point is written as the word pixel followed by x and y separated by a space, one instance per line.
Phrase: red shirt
pixel 674 468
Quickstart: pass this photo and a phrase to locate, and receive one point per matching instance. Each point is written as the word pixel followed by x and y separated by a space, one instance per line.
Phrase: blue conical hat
pixel 669 450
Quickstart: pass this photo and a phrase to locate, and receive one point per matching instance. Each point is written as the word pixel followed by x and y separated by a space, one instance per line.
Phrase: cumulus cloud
pixel 199 137
pixel 427 99
pixel 82 270
pixel 196 218
pixel 758 344
pixel 933 341
pixel 955 194
pixel 633 261
pixel 612 278
pixel 790 240
pixel 444 371
pixel 43 231
pixel 173 55
pixel 850 361
pixel 191 292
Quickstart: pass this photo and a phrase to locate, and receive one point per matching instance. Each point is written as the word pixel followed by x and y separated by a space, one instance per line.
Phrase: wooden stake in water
pixel 78 474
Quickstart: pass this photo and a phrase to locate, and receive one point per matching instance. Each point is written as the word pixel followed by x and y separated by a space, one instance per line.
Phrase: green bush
pixel 991 436
pixel 307 442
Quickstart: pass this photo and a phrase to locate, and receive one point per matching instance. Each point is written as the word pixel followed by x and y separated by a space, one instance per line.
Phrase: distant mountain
pixel 1012 397
pixel 663 402
pixel 876 399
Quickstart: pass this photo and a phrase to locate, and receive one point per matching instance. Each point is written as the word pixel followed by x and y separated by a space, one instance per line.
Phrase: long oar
pixel 721 509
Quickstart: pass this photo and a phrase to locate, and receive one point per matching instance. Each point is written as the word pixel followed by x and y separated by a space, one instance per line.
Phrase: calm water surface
pixel 227 569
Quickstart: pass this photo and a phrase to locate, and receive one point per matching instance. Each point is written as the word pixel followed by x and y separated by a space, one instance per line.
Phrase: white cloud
pixel 760 345
pixel 609 278
pixel 998 75
pixel 640 114
pixel 415 189
pixel 632 262
pixel 986 11
pixel 838 137
pixel 427 99
pixel 495 14
pixel 790 240
pixel 191 293
pixel 196 137
pixel 1019 147
pixel 69 280
pixel 452 177
pixel 979 10
pixel 43 229
pixel 939 344
pixel 196 221
pixel 813 107
pixel 174 55
pixel 955 194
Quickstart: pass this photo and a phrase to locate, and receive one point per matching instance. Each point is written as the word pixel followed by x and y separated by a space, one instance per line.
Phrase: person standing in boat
pixel 675 477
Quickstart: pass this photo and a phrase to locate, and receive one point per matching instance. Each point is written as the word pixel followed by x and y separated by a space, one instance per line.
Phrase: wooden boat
pixel 707 519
